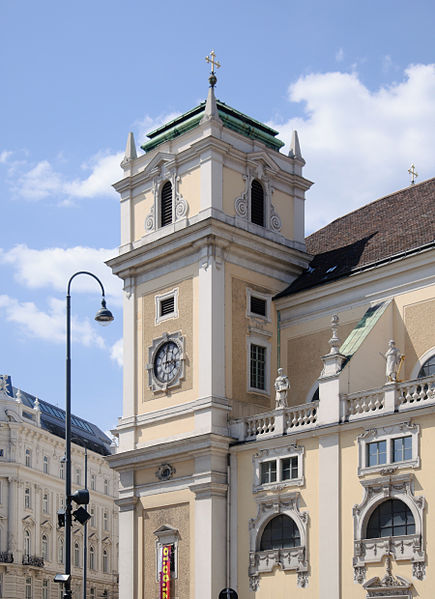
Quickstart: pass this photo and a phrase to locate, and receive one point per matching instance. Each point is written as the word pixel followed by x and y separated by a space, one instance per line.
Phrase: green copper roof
pixel 231 118
pixel 359 333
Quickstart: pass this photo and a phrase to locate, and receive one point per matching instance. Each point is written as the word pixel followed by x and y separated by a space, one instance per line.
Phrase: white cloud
pixel 52 268
pixel 148 124
pixel 359 143
pixel 50 325
pixel 116 352
pixel 43 181
pixel 4 156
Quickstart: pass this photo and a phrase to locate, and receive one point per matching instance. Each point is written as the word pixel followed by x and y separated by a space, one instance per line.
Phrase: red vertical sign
pixel 165 573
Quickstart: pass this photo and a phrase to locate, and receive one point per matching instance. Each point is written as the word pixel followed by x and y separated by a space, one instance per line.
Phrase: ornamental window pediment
pixel 278 537
pixel 389 448
pixel 168 205
pixel 389 522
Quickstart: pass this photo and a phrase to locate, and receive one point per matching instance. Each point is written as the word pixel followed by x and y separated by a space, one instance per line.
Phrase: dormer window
pixel 166 204
pixel 257 203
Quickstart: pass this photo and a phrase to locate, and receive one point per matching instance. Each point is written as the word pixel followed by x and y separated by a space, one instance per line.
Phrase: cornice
pixel 216 229
pixel 188 447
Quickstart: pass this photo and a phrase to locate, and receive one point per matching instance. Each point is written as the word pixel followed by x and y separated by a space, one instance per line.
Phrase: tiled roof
pixel 402 222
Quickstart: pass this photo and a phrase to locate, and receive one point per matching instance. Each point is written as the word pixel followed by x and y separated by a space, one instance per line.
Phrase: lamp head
pixel 104 316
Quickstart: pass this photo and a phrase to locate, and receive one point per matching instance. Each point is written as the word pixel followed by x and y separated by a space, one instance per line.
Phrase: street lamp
pixel 103 316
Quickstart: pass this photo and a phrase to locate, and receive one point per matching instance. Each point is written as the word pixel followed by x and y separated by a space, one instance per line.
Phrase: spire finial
pixel 413 173
pixel 214 63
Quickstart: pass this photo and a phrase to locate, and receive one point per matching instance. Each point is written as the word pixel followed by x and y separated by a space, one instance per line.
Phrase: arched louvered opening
pixel 391 518
pixel 257 203
pixel 166 205
pixel 280 533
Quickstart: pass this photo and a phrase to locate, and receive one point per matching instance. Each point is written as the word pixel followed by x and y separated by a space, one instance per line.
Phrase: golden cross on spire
pixel 413 173
pixel 214 63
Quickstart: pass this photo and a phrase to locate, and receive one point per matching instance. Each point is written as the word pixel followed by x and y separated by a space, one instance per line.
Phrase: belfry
pixel 234 476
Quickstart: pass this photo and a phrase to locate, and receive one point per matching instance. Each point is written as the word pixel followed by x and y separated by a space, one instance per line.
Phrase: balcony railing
pixel 6 557
pixel 392 397
pixel 32 560
pixel 276 422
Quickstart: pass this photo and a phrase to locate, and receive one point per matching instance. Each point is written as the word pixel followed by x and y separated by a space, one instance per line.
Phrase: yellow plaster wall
pixel 176 515
pixel 189 188
pixel 420 332
pixel 237 324
pixel 284 207
pixel 169 428
pixel 304 363
pixel 278 584
pixel 233 186
pixel 148 330
pixel 141 208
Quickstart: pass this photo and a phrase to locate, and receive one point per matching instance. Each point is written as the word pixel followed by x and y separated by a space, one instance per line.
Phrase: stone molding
pixel 294 558
pixel 153 383
pixel 278 453
pixel 387 433
pixel 403 547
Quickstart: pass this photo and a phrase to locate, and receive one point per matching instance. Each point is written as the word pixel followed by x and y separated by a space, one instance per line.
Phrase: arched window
pixel 27 542
pixel 28 458
pixel 44 547
pixel 105 561
pixel 391 518
pixel 45 503
pixel 76 554
pixel 428 368
pixel 91 558
pixel 166 204
pixel 280 533
pixel 257 203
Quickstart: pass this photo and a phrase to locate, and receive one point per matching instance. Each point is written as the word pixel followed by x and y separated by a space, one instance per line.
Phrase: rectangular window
pixel 45 589
pixel 258 306
pixel 376 453
pixel 106 486
pixel 45 465
pixel 62 470
pixel 28 588
pixel 258 367
pixel 268 472
pixel 289 468
pixel 2 453
pixel 93 482
pixel 402 449
pixel 78 476
pixel 27 503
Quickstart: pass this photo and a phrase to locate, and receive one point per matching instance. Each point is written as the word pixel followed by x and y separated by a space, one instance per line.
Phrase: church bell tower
pixel 212 227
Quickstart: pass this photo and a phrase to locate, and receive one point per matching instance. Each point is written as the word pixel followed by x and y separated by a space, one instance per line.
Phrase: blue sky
pixel 357 80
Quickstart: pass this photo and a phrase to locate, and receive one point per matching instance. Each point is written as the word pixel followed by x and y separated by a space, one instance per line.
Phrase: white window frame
pixel 157 302
pixel 45 589
pixel 28 498
pixel 28 587
pixel 92 561
pixel 261 341
pixel 45 553
pixel 295 558
pixel 427 354
pixel 28 457
pixel 278 454
pixel 388 433
pixel 402 547
pixel 166 535
pixel 264 296
pixel 45 464
pixel 45 502
pixel 93 482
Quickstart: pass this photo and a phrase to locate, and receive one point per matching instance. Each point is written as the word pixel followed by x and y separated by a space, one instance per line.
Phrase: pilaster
pixel 127 546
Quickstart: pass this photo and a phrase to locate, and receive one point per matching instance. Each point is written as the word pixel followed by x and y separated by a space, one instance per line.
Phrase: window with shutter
pixel 166 205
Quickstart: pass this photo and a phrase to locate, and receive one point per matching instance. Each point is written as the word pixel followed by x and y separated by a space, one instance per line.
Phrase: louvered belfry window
pixel 257 203
pixel 166 205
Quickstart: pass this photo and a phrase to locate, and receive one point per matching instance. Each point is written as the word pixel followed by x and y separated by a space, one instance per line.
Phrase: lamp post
pixel 103 316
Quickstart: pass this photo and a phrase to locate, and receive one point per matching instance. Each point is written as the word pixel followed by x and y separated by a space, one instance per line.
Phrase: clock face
pixel 167 362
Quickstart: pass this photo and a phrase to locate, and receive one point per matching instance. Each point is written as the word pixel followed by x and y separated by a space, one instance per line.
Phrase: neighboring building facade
pixel 32 490
pixel 328 495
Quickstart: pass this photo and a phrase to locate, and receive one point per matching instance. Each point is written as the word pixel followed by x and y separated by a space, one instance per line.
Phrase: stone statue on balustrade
pixel 393 359
pixel 282 386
